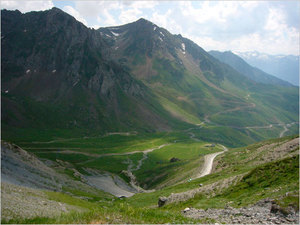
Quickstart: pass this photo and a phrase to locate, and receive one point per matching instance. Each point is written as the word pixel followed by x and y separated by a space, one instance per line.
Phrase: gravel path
pixel 208 162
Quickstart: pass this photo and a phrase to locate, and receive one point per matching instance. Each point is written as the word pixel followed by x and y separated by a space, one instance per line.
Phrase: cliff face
pixel 48 58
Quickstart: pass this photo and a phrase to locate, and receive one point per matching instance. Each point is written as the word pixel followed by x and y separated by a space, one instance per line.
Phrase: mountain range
pixel 244 68
pixel 132 124
pixel 59 74
pixel 285 67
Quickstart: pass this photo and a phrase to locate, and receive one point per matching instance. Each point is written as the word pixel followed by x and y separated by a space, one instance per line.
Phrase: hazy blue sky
pixel 265 26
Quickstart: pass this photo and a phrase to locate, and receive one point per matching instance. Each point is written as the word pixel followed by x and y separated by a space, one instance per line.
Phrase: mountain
pixel 58 74
pixel 55 73
pixel 98 126
pixel 285 67
pixel 191 84
pixel 244 68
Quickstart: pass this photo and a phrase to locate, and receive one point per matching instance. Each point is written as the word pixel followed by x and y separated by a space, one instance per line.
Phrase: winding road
pixel 208 162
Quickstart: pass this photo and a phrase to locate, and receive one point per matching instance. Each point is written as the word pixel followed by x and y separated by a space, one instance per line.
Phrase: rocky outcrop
pixel 210 190
pixel 264 212
pixel 162 201
pixel 51 59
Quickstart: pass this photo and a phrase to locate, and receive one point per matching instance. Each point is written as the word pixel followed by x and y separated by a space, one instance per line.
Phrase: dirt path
pixel 208 162
pixel 285 129
pixel 251 105
pixel 192 136
pixel 79 138
pixel 112 154
pixel 238 108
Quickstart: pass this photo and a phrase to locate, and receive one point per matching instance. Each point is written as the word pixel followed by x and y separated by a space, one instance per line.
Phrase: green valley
pixel 133 124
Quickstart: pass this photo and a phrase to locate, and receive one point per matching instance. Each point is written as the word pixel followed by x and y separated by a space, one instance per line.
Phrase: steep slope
pixel 191 84
pixel 26 182
pixel 56 74
pixel 59 74
pixel 285 67
pixel 251 72
pixel 262 178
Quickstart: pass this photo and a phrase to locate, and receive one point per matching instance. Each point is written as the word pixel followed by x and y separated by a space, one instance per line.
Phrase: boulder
pixel 186 210
pixel 174 159
pixel 162 201
pixel 275 208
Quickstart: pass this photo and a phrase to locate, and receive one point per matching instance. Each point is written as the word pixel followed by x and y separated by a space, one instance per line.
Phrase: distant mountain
pixel 59 74
pixel 244 68
pixel 285 67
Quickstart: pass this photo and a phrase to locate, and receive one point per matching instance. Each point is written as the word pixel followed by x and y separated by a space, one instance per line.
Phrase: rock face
pixel 162 201
pixel 265 211
pixel 52 62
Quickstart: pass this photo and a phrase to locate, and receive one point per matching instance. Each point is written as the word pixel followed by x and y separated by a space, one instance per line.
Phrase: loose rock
pixel 186 210
pixel 162 201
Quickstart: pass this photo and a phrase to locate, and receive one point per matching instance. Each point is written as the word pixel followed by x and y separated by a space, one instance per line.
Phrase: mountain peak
pixel 142 20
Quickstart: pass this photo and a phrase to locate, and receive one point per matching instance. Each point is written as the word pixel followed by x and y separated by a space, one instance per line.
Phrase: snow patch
pixel 6 91
pixel 183 46
pixel 116 48
pixel 154 28
pixel 161 33
pixel 115 34
pixel 160 39
pixel 53 71
pixel 27 71
pixel 108 35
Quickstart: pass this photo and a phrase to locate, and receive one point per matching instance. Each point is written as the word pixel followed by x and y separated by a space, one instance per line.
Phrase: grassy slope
pixel 259 180
pixel 236 163
pixel 157 166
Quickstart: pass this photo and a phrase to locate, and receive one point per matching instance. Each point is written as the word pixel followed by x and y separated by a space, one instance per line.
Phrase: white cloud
pixel 92 9
pixel 27 6
pixel 161 19
pixel 249 5
pixel 139 4
pixel 130 15
pixel 275 20
pixel 208 11
pixel 208 43
pixel 239 26
pixel 70 10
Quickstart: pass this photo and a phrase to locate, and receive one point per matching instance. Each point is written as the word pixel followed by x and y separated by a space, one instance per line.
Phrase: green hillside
pixel 150 82
pixel 241 177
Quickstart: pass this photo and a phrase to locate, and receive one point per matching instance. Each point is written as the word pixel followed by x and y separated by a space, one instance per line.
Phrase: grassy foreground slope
pixel 240 177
